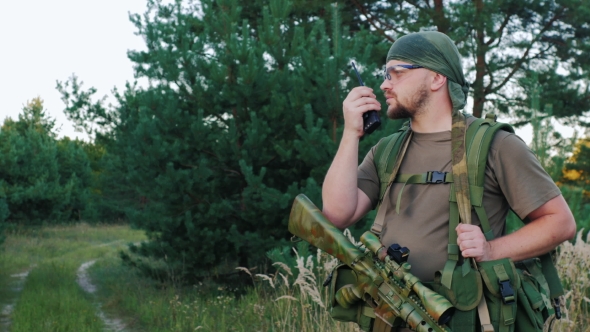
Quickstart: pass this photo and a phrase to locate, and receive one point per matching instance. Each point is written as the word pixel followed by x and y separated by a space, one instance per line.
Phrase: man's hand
pixel 344 203
pixel 472 243
pixel 360 100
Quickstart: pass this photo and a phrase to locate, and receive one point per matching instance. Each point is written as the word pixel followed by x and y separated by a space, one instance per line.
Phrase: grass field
pixel 39 288
pixel 70 278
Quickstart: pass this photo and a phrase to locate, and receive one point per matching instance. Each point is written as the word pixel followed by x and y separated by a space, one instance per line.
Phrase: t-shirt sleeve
pixel 368 178
pixel 522 179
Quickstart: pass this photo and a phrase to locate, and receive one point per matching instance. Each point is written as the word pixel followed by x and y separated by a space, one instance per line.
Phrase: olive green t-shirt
pixel 513 179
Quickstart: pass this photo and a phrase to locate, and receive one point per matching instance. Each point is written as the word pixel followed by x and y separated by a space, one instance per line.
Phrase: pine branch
pixel 372 20
pixel 417 6
pixel 524 57
pixel 500 31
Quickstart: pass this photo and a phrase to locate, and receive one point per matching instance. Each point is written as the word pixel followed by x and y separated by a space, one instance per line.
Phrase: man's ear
pixel 438 82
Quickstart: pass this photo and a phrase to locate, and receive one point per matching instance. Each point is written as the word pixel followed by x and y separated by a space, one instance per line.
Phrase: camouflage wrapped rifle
pixel 385 284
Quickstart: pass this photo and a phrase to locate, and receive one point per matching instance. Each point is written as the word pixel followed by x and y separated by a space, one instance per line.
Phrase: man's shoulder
pixel 503 135
pixel 381 146
pixel 504 140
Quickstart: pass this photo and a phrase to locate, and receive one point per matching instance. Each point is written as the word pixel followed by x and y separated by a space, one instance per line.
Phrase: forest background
pixel 242 112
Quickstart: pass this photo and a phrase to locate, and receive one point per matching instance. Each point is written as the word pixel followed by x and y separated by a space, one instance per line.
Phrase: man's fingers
pixel 462 228
pixel 366 101
pixel 466 236
pixel 466 244
pixel 473 253
pixel 473 244
pixel 359 100
pixel 361 91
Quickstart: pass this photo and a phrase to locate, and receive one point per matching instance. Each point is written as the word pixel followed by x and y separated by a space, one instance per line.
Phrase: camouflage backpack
pixel 518 296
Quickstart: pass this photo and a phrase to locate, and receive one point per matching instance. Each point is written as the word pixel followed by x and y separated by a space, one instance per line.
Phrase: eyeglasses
pixel 394 73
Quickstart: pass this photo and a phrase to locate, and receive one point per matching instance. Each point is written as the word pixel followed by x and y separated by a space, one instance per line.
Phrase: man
pixel 424 82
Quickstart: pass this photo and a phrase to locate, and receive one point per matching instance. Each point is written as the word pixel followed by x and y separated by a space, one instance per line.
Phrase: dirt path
pixel 111 323
pixel 8 302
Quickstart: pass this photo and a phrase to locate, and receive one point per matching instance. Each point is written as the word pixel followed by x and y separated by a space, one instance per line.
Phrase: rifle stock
pixel 309 223
pixel 389 288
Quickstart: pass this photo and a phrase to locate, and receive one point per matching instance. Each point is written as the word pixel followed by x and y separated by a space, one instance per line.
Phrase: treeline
pixel 42 178
pixel 242 111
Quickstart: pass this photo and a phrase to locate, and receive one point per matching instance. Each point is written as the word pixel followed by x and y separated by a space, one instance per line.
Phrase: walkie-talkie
pixel 370 118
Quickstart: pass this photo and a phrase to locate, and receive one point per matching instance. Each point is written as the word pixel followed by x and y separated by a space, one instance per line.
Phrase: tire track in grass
pixel 64 254
pixel 111 323
pixel 8 302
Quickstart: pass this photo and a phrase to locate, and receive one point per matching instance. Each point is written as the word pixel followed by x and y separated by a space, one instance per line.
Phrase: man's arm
pixel 343 202
pixel 550 225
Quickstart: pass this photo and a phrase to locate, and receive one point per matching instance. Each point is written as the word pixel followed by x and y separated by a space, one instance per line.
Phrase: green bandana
pixel 435 51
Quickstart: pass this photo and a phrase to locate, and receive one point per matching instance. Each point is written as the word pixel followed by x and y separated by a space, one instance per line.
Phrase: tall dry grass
pixel 300 302
pixel 291 299
pixel 304 300
pixel 296 299
pixel 573 264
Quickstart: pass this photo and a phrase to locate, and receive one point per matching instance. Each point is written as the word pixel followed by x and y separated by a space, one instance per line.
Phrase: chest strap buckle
pixel 435 177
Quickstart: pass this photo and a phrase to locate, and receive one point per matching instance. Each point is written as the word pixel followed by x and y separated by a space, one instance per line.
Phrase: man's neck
pixel 432 121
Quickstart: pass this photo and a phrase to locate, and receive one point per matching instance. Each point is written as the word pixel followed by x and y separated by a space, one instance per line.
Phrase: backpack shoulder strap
pixel 385 155
pixel 478 140
pixel 386 158
pixel 478 145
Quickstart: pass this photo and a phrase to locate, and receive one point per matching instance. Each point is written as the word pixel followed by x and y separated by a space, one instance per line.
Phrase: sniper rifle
pixel 383 281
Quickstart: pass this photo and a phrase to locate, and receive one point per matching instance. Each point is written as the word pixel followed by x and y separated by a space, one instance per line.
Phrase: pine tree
pixel 242 114
pixel 4 212
pixel 502 41
pixel 34 117
pixel 42 181
pixel 74 171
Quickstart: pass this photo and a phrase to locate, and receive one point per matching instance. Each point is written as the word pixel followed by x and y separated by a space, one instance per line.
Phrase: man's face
pixel 405 90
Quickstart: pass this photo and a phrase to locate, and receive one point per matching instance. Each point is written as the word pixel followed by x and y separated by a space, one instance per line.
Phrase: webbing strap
pixel 383 158
pixel 380 218
pixel 432 177
pixel 485 224
pixel 477 203
pixel 536 271
pixel 400 156
pixel 480 134
pixel 460 209
pixel 508 300
pixel 459 166
pixel 475 151
pixel 450 264
pixel 551 275
pixel 414 177
pixel 477 172
pixel 484 316
pixel 424 178
pixel 452 247
pixel 382 152
pixel 477 140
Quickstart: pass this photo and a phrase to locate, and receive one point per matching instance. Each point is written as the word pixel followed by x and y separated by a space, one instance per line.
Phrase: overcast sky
pixel 43 41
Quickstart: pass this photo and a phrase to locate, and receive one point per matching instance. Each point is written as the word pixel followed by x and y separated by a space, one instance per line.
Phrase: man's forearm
pixel 550 225
pixel 340 192
pixel 536 238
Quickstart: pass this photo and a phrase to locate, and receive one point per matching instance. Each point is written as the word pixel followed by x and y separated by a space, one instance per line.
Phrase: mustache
pixel 390 95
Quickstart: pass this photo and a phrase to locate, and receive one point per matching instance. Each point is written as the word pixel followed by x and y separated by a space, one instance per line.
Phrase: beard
pixel 414 107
